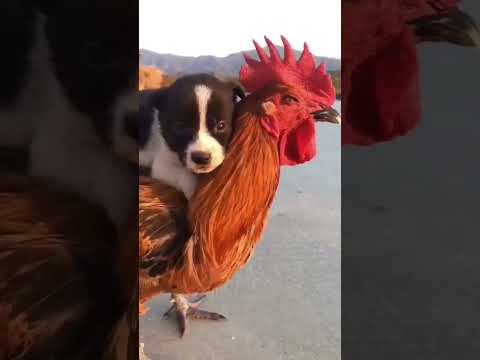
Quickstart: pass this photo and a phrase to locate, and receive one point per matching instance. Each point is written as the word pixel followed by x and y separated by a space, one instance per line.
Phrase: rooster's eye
pixel 288 99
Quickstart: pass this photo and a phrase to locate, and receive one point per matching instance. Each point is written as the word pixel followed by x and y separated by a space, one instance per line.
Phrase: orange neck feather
pixel 228 211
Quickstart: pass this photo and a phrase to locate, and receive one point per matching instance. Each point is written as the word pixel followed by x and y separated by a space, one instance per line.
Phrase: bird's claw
pixel 190 309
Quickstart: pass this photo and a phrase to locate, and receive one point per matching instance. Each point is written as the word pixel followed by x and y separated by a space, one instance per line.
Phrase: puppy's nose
pixel 201 157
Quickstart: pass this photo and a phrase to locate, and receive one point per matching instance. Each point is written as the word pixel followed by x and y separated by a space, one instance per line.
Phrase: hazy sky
pixel 215 27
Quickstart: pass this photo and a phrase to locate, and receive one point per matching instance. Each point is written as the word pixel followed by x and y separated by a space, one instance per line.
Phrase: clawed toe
pixel 190 310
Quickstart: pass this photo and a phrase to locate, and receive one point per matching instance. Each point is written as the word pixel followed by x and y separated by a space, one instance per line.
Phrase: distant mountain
pixel 228 65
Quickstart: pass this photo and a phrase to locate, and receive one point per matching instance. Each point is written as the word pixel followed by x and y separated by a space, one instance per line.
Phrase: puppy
pixel 68 85
pixel 185 128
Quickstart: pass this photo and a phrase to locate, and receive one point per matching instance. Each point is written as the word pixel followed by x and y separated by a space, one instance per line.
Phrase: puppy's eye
pixel 288 99
pixel 220 125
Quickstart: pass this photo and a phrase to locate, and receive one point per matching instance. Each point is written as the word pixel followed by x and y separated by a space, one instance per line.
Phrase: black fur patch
pixel 16 37
pixel 92 62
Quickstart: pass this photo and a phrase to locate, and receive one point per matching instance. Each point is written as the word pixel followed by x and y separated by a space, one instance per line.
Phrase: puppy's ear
pixel 232 83
pixel 123 130
pixel 152 102
pixel 238 93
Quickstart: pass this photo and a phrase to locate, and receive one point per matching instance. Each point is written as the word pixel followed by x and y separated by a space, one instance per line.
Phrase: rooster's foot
pixel 190 309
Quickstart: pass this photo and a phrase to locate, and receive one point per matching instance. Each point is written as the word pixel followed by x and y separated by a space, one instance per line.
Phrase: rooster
pixel 380 72
pixel 196 248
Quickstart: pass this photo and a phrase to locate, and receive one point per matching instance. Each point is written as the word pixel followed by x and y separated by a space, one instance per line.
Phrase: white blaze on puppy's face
pixel 204 142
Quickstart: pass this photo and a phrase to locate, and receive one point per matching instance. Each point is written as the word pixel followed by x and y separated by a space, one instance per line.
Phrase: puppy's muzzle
pixel 201 158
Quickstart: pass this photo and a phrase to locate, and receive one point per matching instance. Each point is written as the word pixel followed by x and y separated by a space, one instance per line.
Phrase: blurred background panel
pixel 409 213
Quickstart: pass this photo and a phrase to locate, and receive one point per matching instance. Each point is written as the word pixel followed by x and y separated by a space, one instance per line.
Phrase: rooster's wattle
pixel 380 72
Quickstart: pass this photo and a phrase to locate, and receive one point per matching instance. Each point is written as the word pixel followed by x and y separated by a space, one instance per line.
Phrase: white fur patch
pixel 204 141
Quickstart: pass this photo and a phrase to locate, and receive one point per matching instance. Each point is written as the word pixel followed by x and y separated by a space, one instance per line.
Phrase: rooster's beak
pixel 327 115
pixel 453 26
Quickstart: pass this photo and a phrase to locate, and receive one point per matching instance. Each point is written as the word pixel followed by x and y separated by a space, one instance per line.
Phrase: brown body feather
pixel 160 237
pixel 227 215
pixel 56 273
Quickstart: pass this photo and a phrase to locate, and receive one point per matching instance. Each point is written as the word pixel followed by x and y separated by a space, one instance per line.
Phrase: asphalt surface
pixel 286 303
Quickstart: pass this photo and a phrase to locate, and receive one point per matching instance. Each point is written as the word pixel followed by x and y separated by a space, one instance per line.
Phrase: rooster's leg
pixel 189 309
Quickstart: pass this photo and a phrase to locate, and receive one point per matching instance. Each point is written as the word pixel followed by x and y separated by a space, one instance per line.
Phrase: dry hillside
pixel 149 77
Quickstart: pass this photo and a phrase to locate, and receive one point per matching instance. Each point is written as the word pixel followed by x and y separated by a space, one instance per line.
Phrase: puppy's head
pixel 198 124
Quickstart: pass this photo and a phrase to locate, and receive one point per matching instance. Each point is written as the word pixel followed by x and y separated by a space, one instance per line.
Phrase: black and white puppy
pixel 68 85
pixel 185 128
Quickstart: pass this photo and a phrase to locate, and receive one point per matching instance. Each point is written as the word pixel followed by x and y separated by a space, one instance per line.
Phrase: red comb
pixel 254 75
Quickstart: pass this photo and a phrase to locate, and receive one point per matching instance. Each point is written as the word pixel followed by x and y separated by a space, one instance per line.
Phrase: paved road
pixel 285 304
